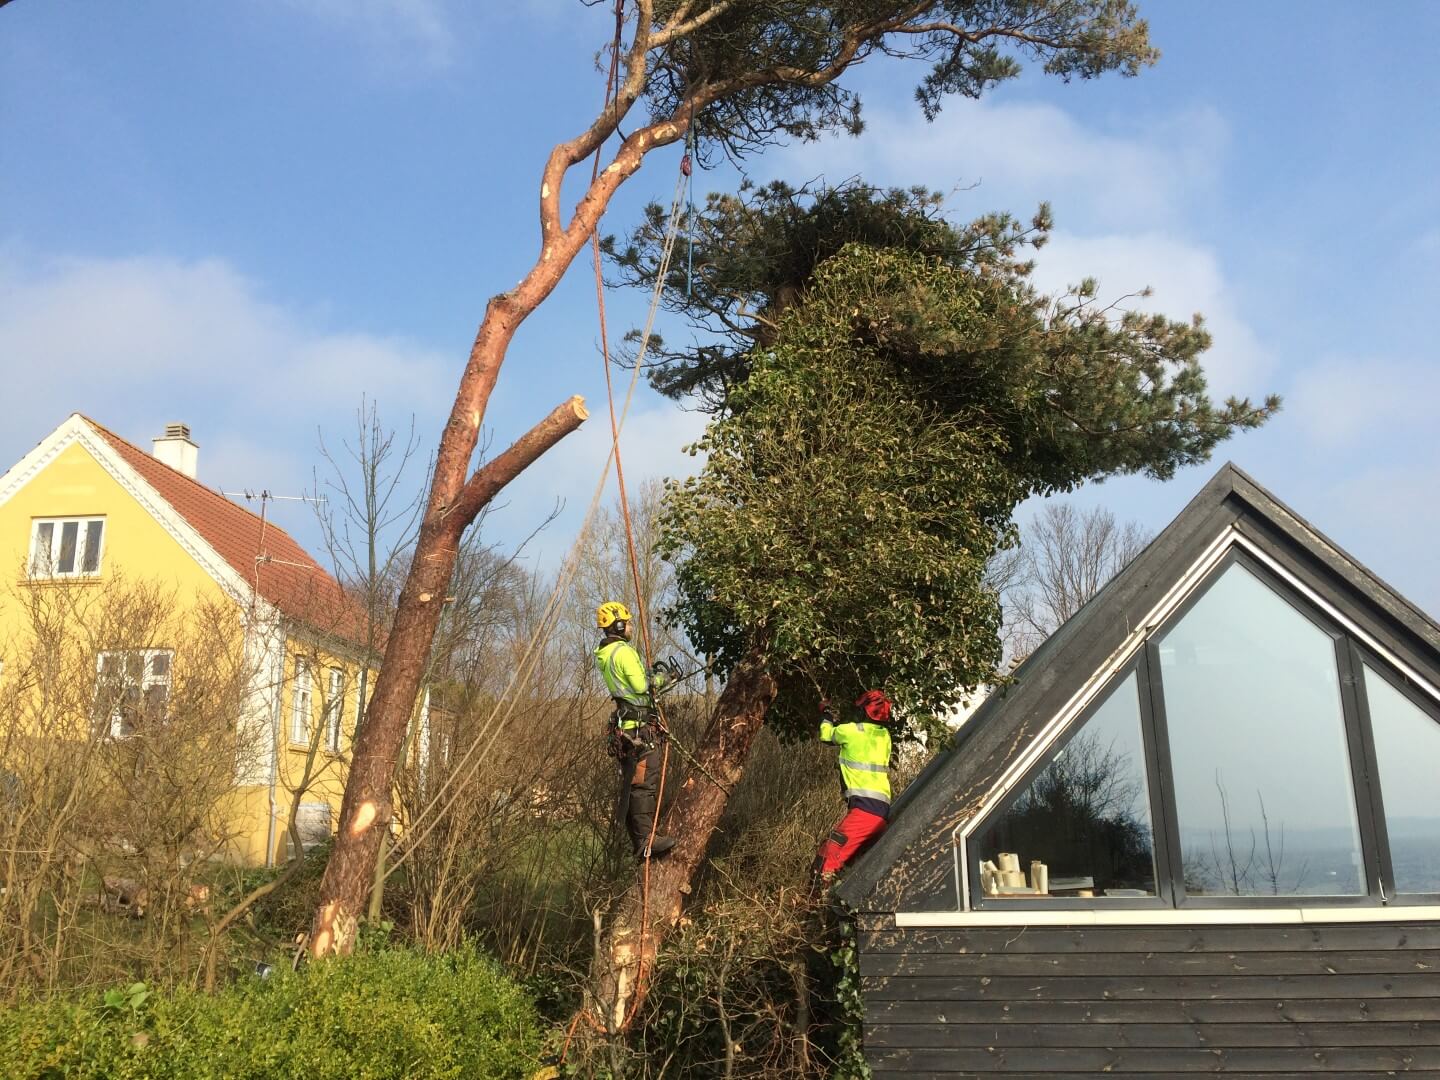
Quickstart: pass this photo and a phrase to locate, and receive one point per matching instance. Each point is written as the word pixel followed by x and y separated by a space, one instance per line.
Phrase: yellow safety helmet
pixel 611 612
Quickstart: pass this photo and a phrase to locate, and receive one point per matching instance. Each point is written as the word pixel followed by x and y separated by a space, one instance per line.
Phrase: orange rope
pixel 570 1035
pixel 611 88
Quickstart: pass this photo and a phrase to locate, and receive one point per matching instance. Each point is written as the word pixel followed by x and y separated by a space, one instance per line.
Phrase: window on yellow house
pixel 132 690
pixel 334 706
pixel 300 703
pixel 66 547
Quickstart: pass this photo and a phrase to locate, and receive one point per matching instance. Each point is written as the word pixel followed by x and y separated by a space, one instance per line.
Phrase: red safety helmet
pixel 875 705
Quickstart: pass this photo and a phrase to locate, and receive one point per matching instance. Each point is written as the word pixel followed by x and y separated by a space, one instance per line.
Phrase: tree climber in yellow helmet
pixel 635 731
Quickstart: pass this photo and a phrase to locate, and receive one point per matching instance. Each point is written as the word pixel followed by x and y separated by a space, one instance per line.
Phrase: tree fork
pixel 366 807
pixel 365 812
pixel 639 922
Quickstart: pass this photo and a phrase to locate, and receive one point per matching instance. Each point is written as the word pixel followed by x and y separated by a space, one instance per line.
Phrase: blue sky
pixel 245 216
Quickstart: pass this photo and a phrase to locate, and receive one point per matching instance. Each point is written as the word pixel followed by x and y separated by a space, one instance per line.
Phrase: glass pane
pixel 91 561
pixel 69 536
pixel 40 557
pixel 1263 789
pixel 160 665
pixel 1407 749
pixel 1086 816
pixel 156 696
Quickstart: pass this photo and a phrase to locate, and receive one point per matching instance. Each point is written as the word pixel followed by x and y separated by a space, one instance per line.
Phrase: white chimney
pixel 175 449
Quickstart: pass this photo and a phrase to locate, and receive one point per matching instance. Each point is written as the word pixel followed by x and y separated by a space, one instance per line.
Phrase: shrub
pixel 372 1016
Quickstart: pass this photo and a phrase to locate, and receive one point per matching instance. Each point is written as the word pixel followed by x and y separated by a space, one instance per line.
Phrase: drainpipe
pixel 278 683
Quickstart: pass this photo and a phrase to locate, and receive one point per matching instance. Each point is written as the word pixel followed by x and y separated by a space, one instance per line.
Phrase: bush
pixel 372 1016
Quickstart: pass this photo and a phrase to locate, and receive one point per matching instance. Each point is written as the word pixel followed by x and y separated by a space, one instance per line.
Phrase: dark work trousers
pixel 639 784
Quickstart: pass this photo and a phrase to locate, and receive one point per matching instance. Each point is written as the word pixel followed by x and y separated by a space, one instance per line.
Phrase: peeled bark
pixel 647 911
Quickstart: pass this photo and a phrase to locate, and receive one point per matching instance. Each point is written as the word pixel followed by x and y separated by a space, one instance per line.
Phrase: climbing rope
pixel 505 705
pixel 429 815
pixel 641 600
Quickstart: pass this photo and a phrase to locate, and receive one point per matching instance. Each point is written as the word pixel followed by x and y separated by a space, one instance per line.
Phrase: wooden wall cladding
pixel 1351 1000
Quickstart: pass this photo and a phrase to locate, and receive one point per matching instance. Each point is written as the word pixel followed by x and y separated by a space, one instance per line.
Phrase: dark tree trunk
pixel 648 910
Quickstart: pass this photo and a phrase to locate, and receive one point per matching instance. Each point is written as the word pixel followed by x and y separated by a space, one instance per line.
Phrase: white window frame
pixel 302 702
pixel 43 565
pixel 117 727
pixel 334 708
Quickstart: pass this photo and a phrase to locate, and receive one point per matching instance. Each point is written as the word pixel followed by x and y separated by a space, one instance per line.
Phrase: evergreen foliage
pixel 778 57
pixel 862 473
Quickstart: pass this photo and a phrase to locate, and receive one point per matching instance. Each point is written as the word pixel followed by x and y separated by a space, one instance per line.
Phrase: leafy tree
pixel 867 466
pixel 733 76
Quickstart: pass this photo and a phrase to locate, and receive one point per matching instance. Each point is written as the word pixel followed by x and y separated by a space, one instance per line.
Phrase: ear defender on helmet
pixel 875 705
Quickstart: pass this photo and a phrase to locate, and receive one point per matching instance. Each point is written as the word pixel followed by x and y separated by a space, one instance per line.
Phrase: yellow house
pixel 86 505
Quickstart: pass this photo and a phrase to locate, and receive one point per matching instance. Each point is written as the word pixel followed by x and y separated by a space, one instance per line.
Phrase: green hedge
pixel 369 1017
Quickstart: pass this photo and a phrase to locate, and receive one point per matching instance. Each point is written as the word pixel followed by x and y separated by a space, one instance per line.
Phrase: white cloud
pixel 139 342
pixel 1341 403
pixel 1186 278
pixel 1387 515
pixel 420 28
pixel 1022 153
pixel 651 448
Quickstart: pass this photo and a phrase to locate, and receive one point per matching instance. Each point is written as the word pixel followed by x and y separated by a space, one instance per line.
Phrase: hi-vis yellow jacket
pixel 624 674
pixel 864 757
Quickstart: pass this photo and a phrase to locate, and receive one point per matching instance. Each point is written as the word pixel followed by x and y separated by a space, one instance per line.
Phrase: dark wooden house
pixel 1199 831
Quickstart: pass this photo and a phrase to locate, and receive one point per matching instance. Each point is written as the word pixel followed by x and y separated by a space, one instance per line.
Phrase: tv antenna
pixel 264 496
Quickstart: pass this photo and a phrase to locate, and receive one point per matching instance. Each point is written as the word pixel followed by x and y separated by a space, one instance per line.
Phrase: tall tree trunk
pixel 648 910
pixel 366 810
pixel 455 501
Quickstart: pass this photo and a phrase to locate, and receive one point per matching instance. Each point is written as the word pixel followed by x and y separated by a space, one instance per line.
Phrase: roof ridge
pixel 214 493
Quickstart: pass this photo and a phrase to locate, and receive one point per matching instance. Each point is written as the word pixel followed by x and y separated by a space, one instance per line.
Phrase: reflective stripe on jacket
pixel 864 757
pixel 624 674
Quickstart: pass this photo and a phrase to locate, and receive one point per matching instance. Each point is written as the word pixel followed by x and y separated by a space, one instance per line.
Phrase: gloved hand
pixel 826 716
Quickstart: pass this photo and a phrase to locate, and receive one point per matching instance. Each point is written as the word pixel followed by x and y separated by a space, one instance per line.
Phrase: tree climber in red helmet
pixel 863 736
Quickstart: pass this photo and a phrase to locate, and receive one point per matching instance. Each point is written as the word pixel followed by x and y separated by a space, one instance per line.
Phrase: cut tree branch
pixel 523 452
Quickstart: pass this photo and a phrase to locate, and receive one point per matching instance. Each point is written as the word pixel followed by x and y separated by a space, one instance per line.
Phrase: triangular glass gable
pixel 1283 713
pixel 1407 751
pixel 1261 777
pixel 1085 815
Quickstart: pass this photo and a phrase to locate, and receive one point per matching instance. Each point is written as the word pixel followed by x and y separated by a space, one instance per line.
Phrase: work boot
pixel 659 846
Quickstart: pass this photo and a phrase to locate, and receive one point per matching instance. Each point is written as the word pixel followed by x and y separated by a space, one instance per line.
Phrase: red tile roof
pixel 262 553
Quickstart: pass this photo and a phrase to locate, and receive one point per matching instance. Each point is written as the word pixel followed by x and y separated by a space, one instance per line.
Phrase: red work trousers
pixel 852 835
